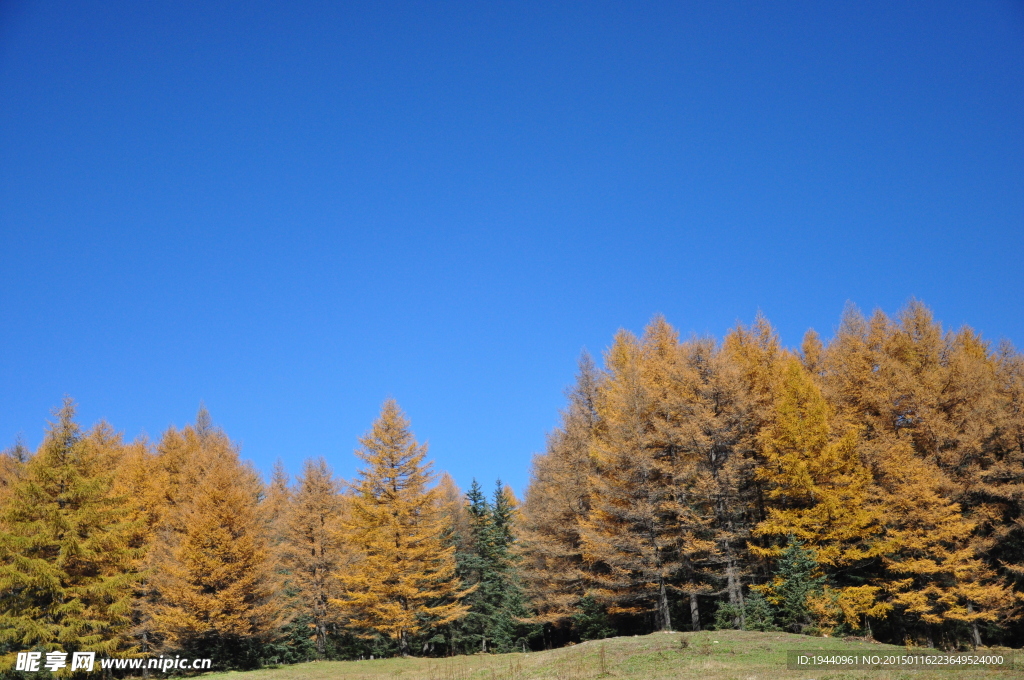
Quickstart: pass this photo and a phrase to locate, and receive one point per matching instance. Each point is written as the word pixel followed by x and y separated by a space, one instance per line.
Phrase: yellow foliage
pixel 402 577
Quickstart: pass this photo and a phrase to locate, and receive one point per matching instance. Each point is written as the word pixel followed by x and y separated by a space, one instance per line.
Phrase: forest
pixel 871 486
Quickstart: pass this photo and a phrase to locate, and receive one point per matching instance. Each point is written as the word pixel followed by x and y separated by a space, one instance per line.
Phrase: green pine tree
pixel 488 563
pixel 797 578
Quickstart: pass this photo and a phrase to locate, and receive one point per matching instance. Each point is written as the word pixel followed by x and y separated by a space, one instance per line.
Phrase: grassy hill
pixel 722 655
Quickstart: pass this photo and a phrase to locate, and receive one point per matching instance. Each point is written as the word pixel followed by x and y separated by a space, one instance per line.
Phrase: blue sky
pixel 291 211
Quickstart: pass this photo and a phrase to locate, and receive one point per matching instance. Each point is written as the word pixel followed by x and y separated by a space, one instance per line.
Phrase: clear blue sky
pixel 292 210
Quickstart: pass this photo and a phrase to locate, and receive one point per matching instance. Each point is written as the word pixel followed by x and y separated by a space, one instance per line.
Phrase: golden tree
pixel 12 467
pixel 936 577
pixel 68 547
pixel 643 531
pixel 312 545
pixel 213 572
pixel 402 581
pixel 556 504
pixel 820 492
pixel 712 428
pixel 936 423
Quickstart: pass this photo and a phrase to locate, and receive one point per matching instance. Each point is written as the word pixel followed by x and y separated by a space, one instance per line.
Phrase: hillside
pixel 721 655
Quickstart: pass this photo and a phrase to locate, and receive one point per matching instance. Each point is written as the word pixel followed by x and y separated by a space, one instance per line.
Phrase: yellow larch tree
pixel 277 504
pixel 214 575
pixel 713 427
pixel 643 533
pixel 819 489
pixel 313 547
pixel 821 493
pixel 68 546
pixel 452 504
pixel 556 504
pixel 933 423
pixel 12 467
pixel 936 577
pixel 401 582
pixel 1003 481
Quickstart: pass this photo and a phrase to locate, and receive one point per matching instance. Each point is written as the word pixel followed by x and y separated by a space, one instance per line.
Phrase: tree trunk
pixel 321 640
pixel 736 595
pixel 694 613
pixel 665 618
pixel 974 627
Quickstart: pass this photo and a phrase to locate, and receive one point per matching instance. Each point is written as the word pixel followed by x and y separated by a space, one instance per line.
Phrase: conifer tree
pixel 1003 481
pixel 488 564
pixel 819 491
pixel 401 583
pixel 937 581
pixel 313 547
pixel 797 580
pixel 642 532
pixel 452 505
pixel 67 565
pixel 12 467
pixel 930 412
pixel 214 574
pixel 557 503
pixel 714 429
pixel 277 504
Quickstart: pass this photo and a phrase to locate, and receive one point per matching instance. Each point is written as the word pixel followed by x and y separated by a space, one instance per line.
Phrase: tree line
pixel 179 547
pixel 869 486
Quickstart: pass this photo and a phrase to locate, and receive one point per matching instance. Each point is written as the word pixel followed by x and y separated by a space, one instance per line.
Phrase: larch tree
pixel 820 493
pixel 1003 481
pixel 163 484
pixel 277 505
pixel 452 505
pixel 68 565
pixel 556 505
pixel 714 426
pixel 936 579
pixel 12 467
pixel 669 378
pixel 641 533
pixel 215 578
pixel 931 402
pixel 401 582
pixel 313 547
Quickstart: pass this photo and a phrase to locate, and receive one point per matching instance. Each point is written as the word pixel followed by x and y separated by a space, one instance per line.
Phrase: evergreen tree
pixel 401 583
pixel 797 579
pixel 489 565
pixel 67 562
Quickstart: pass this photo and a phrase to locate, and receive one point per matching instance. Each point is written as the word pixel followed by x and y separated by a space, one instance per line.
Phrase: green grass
pixel 722 655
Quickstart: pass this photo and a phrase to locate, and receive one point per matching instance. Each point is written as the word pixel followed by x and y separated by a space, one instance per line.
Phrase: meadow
pixel 720 655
